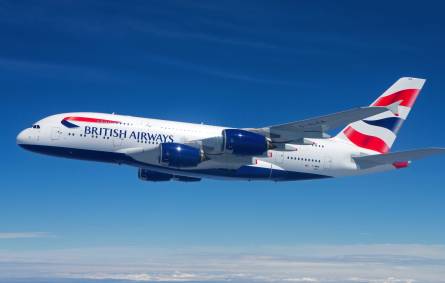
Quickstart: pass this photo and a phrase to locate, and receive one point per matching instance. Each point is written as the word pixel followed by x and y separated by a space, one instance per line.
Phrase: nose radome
pixel 22 137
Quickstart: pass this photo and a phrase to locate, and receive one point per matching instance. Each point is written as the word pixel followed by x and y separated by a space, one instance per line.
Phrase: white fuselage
pixel 136 141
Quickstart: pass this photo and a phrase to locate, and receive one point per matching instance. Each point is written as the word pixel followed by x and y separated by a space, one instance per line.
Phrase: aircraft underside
pixel 152 172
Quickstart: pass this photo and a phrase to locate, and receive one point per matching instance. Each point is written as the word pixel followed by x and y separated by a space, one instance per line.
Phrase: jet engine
pixel 180 155
pixel 242 142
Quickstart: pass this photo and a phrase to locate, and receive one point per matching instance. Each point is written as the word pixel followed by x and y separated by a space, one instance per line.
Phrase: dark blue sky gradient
pixel 235 63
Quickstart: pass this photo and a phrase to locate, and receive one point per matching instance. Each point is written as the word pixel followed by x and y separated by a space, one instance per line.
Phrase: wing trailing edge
pixel 317 127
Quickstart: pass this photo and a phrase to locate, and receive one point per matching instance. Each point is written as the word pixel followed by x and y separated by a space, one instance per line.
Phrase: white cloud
pixel 304 279
pixel 153 277
pixel 383 280
pixel 24 235
pixel 306 264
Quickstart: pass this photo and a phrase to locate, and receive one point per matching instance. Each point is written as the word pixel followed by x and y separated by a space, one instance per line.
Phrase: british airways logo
pixel 68 121
pixel 113 132
pixel 123 134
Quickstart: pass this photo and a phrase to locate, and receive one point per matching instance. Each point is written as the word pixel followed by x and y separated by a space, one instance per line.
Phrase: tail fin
pixel 378 133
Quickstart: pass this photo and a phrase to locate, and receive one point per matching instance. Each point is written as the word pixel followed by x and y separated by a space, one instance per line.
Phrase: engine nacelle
pixel 242 142
pixel 147 175
pixel 180 155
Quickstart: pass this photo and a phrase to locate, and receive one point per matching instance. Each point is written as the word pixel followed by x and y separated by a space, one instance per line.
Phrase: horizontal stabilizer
pixel 396 157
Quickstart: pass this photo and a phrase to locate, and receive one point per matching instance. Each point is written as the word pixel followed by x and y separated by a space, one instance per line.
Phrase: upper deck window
pixel 36 126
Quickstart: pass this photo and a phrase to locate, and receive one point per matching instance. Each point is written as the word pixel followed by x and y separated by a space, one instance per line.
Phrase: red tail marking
pixel 407 96
pixel 365 141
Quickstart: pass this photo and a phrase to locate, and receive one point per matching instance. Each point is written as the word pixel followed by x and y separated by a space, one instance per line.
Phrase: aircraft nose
pixel 23 138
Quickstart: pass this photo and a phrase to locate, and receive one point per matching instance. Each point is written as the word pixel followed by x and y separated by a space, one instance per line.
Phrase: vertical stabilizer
pixel 378 133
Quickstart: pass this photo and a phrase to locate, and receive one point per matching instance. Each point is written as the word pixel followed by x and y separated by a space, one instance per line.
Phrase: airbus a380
pixel 302 150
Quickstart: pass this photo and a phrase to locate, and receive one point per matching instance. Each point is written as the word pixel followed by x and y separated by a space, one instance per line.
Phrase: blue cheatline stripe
pixel 392 123
pixel 245 172
pixel 68 124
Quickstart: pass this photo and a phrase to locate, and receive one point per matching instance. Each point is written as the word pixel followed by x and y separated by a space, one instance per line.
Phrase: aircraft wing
pixel 317 127
pixel 401 156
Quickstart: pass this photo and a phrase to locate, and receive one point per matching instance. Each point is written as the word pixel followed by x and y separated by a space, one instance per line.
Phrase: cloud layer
pixel 349 263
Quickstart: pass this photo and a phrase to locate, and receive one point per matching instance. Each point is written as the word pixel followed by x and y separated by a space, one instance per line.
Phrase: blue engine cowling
pixel 242 142
pixel 180 155
pixel 148 175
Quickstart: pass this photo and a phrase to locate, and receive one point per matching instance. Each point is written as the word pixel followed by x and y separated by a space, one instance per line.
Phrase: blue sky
pixel 240 64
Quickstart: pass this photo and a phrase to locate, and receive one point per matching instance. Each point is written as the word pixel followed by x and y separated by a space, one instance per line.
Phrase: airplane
pixel 303 150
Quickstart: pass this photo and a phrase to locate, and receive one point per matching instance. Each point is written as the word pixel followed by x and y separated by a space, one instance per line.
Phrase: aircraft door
pixel 280 156
pixel 56 133
pixel 277 156
pixel 327 162
pixel 117 141
pixel 278 160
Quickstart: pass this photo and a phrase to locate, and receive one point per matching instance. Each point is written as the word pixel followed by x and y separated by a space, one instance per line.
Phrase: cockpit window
pixel 36 126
